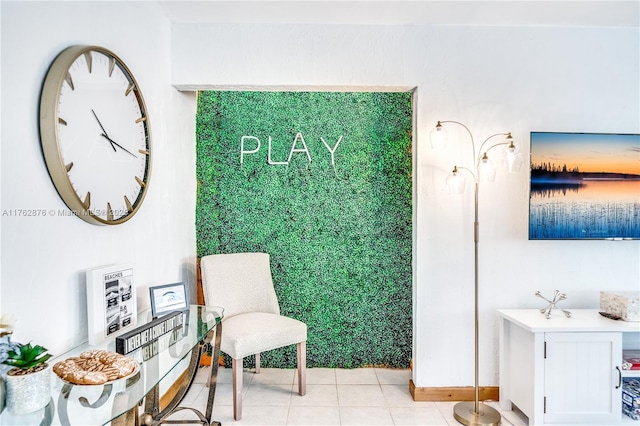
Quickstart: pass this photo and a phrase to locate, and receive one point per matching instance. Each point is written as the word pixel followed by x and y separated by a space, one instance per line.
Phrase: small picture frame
pixel 111 302
pixel 168 298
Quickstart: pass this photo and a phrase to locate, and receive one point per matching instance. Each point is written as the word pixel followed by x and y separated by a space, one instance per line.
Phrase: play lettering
pixel 298 146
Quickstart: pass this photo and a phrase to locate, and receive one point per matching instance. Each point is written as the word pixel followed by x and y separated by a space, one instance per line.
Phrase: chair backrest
pixel 239 282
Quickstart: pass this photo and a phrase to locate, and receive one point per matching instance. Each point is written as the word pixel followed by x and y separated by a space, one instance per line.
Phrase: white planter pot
pixel 28 393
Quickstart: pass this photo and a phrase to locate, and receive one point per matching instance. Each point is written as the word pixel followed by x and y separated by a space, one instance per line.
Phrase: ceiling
pixel 589 13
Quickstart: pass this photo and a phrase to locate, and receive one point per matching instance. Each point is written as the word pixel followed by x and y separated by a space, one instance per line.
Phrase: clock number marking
pixel 69 166
pixel 61 121
pixel 89 59
pixel 129 89
pixel 143 151
pixel 69 80
pixel 128 203
pixel 109 213
pixel 87 201
pixel 141 119
pixel 112 65
pixel 140 182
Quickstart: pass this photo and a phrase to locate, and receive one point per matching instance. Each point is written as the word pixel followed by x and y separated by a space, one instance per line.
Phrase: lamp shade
pixel 438 136
pixel 456 182
pixel 513 158
pixel 486 170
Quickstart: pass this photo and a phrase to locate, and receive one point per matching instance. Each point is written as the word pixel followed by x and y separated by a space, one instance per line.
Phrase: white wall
pixel 44 258
pixel 493 79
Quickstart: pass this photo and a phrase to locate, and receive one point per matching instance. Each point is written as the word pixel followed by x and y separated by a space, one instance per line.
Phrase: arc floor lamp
pixel 474 413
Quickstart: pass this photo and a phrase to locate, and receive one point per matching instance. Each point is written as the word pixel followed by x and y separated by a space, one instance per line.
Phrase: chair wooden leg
pixel 302 368
pixel 236 366
pixel 258 363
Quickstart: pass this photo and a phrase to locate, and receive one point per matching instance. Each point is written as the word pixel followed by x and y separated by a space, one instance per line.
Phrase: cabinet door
pixel 581 380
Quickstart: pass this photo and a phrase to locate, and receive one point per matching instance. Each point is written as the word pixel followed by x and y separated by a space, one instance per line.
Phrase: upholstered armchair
pixel 242 284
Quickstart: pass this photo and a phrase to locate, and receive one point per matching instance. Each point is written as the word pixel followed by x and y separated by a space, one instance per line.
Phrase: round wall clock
pixel 95 135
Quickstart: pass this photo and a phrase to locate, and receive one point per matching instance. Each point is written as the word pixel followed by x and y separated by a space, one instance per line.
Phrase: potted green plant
pixel 28 383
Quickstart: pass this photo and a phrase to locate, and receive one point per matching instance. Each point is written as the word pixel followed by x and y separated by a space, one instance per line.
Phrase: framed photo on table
pixel 111 302
pixel 168 298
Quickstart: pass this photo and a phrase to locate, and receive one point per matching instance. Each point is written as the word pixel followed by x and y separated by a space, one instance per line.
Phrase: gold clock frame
pixel 49 139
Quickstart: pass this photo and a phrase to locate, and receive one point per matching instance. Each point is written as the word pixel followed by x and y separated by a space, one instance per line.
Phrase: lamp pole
pixel 467 413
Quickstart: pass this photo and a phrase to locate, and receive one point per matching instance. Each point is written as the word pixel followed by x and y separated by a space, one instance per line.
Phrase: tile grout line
pixel 335 384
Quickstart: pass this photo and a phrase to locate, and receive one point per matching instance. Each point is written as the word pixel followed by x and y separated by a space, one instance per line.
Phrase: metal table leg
pixel 153 416
pixel 213 379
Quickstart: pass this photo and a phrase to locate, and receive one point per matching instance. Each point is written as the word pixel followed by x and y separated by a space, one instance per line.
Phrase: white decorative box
pixel 624 304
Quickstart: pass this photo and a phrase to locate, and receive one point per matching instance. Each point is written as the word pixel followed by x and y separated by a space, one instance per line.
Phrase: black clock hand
pixel 105 132
pixel 118 145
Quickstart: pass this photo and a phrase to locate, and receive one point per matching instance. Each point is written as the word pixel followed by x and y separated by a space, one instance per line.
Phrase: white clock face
pixel 102 138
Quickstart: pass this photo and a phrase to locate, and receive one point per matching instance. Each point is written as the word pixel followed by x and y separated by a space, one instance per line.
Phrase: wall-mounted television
pixel 584 186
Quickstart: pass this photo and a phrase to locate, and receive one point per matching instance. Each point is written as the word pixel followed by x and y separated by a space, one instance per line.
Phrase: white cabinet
pixel 564 370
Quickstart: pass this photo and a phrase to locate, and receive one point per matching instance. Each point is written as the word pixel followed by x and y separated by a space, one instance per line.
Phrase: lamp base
pixel 465 413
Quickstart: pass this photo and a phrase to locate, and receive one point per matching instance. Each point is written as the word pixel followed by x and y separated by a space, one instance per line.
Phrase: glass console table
pixel 136 400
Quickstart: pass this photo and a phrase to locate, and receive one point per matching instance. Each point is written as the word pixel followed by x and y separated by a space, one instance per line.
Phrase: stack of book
pixel 631 360
pixel 631 398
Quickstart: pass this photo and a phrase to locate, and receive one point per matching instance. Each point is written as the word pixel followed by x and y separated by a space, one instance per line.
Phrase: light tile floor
pixel 362 396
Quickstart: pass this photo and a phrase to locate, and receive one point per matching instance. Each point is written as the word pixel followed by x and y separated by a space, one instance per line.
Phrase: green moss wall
pixel 338 231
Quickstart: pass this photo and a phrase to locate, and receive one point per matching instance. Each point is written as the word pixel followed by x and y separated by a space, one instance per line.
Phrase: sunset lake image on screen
pixel 584 186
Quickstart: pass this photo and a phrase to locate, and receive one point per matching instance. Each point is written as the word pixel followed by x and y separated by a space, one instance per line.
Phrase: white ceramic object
pixel 29 392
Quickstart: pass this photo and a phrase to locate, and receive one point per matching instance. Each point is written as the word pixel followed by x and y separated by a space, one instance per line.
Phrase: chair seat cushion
pixel 250 333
